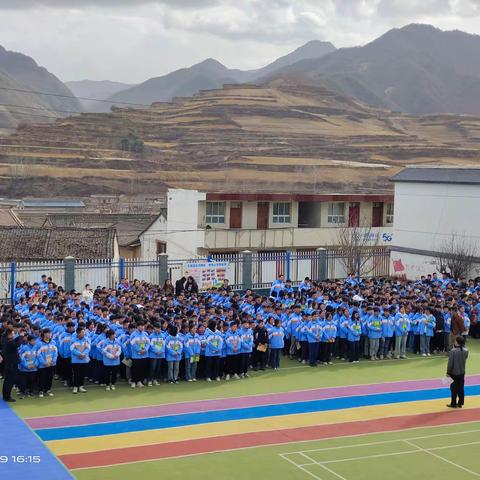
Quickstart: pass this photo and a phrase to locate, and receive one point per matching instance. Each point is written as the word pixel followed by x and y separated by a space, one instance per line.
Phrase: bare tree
pixel 356 248
pixel 456 256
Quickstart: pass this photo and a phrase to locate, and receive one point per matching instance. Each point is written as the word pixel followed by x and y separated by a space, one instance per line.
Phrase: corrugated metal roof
pixel 457 175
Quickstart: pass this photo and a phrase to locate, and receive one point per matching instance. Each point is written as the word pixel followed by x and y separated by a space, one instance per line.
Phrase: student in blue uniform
pixel 191 351
pixel 233 344
pixel 276 341
pixel 47 354
pixel 353 338
pixel 156 355
pixel 328 338
pixel 111 352
pixel 28 366
pixel 246 347
pixel 402 327
pixel 213 350
pixel 139 345
pixel 80 348
pixel 173 354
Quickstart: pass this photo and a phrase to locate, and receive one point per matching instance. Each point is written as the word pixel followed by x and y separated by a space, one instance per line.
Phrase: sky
pixel 133 40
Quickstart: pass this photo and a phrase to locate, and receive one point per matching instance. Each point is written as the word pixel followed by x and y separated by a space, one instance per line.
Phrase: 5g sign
pixel 387 237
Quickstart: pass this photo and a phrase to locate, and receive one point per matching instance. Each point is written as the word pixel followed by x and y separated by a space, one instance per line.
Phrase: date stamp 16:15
pixel 20 459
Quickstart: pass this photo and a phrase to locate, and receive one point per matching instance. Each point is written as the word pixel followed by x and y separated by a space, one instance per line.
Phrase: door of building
pixel 354 214
pixel 262 215
pixel 377 214
pixel 236 215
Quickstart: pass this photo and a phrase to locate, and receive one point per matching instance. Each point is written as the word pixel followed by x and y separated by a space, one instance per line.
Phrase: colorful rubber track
pixel 87 440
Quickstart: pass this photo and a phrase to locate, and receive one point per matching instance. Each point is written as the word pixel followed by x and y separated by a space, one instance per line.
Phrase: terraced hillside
pixel 283 136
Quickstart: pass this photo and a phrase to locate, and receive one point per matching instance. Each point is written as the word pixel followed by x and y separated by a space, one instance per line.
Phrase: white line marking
pixel 399 453
pixel 301 467
pixel 324 467
pixel 388 441
pixel 380 455
pixel 443 459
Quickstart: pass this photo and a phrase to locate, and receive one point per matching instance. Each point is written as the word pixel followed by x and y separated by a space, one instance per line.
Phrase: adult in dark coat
pixel 457 360
pixel 10 360
pixel 180 286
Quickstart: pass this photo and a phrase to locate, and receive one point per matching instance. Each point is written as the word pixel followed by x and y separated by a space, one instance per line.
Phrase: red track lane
pixel 274 437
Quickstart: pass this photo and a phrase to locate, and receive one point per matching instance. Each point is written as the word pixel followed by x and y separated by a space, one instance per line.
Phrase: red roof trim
pixel 287 197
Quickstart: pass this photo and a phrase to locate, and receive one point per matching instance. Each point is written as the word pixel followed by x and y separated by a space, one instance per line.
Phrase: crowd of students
pixel 147 334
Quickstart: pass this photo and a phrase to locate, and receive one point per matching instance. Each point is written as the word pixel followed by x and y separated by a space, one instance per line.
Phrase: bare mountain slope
pixel 280 137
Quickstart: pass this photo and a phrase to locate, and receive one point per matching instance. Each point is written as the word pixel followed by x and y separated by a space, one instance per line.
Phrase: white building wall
pixel 425 215
pixel 149 238
pixel 181 231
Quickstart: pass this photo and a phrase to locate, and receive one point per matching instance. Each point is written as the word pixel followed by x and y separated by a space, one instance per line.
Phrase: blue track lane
pixel 263 411
pixel 17 441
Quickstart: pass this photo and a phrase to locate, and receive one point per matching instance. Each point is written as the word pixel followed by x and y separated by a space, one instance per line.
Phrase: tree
pixel 357 249
pixel 131 143
pixel 456 256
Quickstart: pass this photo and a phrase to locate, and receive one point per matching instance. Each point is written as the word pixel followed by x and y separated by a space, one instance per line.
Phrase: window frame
pixel 389 217
pixel 215 217
pixel 334 218
pixel 283 216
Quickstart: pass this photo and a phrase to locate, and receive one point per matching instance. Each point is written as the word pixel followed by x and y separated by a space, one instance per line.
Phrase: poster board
pixel 207 274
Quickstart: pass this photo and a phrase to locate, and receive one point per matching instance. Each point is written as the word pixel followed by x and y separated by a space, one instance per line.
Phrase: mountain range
pixel 210 74
pixel 93 89
pixel 18 73
pixel 416 69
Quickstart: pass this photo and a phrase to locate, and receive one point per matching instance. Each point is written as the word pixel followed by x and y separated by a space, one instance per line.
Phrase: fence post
pixel 12 281
pixel 288 258
pixel 121 269
pixel 162 268
pixel 69 264
pixel 247 271
pixel 322 263
pixel 357 266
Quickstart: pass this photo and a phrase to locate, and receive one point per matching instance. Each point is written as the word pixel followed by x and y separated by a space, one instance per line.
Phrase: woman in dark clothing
pixel 457 359
pixel 168 287
pixel 180 286
pixel 191 286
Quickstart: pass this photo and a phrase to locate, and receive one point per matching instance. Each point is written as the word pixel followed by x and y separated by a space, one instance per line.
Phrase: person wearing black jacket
pixel 439 344
pixel 10 360
pixel 191 286
pixel 260 344
pixel 180 286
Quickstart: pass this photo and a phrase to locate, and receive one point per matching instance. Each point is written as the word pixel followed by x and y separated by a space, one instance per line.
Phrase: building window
pixel 281 212
pixel 336 213
pixel 161 247
pixel 215 212
pixel 389 215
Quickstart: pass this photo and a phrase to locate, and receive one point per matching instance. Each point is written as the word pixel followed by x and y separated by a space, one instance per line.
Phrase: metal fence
pixel 264 267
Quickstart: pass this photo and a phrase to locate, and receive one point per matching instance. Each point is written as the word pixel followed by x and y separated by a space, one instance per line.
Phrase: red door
pixel 236 215
pixel 354 215
pixel 377 214
pixel 262 215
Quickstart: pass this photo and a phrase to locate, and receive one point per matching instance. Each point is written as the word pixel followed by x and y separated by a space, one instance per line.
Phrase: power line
pixel 71 96
pixel 44 109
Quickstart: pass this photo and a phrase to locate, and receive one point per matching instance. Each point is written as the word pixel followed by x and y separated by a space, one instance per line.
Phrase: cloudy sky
pixel 132 40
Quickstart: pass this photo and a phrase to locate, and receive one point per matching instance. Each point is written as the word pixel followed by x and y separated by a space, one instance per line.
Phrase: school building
pixel 198 223
pixel 431 205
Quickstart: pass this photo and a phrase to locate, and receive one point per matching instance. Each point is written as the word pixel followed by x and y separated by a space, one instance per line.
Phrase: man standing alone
pixel 457 359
